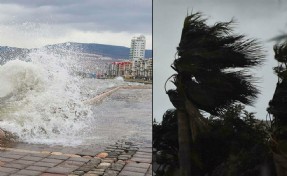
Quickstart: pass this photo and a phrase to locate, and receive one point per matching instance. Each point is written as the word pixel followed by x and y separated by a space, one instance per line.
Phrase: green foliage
pixel 204 54
pixel 236 144
pixel 278 104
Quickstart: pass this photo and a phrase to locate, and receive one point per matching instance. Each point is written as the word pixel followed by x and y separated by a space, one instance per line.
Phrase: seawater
pixel 41 102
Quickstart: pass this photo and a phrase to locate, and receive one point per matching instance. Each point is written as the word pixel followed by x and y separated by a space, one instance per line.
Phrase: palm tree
pixel 206 80
pixel 277 108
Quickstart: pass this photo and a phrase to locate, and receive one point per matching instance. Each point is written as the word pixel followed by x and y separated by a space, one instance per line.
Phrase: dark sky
pixel 31 23
pixel 260 19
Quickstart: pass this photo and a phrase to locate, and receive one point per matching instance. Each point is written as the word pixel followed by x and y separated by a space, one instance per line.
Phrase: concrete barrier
pixel 99 98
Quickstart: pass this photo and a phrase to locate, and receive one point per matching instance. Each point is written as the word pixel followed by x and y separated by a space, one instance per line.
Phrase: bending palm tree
pixel 203 81
pixel 277 107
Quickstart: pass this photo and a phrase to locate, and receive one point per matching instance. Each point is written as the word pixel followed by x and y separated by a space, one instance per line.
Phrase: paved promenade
pixel 120 159
pixel 124 158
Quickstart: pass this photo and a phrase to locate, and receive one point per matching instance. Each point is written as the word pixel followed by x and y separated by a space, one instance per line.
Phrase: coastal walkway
pixel 123 158
pixel 119 159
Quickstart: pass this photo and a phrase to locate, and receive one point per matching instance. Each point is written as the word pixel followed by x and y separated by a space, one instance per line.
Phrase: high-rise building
pixel 137 50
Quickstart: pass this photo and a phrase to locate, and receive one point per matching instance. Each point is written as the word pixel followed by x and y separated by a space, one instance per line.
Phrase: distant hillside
pixel 116 52
pixel 9 53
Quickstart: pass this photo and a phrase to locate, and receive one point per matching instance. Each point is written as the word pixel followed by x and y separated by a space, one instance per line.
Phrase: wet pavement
pixel 122 158
pixel 129 156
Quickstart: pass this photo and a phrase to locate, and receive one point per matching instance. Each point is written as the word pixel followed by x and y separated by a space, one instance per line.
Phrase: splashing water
pixel 40 101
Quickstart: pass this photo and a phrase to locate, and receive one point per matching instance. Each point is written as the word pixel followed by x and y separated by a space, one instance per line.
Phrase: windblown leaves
pixel 204 53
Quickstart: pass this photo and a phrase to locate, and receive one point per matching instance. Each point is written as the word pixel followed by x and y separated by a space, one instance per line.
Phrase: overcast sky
pixel 261 19
pixel 34 23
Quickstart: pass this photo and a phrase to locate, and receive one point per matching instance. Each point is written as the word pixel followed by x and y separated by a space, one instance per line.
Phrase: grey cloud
pixel 103 15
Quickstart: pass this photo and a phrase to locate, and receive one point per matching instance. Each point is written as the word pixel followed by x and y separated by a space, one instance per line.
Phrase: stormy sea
pixel 42 101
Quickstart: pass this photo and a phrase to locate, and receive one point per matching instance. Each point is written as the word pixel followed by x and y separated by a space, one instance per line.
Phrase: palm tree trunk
pixel 184 142
pixel 280 164
pixel 197 122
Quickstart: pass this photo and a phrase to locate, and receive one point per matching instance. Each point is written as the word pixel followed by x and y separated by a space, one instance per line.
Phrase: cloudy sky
pixel 261 19
pixel 34 23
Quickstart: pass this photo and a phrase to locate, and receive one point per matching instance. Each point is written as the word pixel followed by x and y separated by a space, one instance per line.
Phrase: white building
pixel 137 50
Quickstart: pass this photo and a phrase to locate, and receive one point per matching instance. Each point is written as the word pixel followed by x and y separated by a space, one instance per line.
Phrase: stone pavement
pixel 122 158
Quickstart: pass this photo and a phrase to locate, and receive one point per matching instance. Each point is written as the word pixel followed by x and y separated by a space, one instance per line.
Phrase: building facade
pixel 137 50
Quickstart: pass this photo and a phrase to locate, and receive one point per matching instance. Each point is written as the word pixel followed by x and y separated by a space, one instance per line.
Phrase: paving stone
pixel 144 153
pixel 117 167
pixel 88 152
pixel 8 153
pixel 121 157
pixel 111 173
pixel 60 157
pixel 99 170
pixel 133 149
pixel 49 174
pixel 135 169
pixel 6 159
pixel 141 160
pixel 8 170
pixel 109 150
pixel 85 168
pixel 78 172
pixel 112 154
pixel 146 150
pixel 32 158
pixel 29 172
pixel 96 172
pixel 42 155
pixel 50 160
pixel 128 143
pixel 128 173
pixel 71 164
pixel 45 164
pixel 140 165
pixel 95 161
pixel 130 152
pixel 37 168
pixel 121 162
pixel 102 155
pixel 150 170
pixel 119 150
pixel 91 175
pixel 142 156
pixel 25 162
pixel 12 156
pixel 104 165
pixel 79 159
pixel 60 170
pixel 15 165
pixel 108 160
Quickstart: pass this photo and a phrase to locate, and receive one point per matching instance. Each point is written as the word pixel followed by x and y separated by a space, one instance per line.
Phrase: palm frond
pixel 204 52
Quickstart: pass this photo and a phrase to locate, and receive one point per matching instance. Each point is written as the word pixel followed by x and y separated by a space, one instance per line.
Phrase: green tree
pixel 206 80
pixel 278 109
pixel 236 144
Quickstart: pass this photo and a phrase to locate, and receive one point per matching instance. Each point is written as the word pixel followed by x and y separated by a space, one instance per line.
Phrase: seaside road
pixel 122 158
